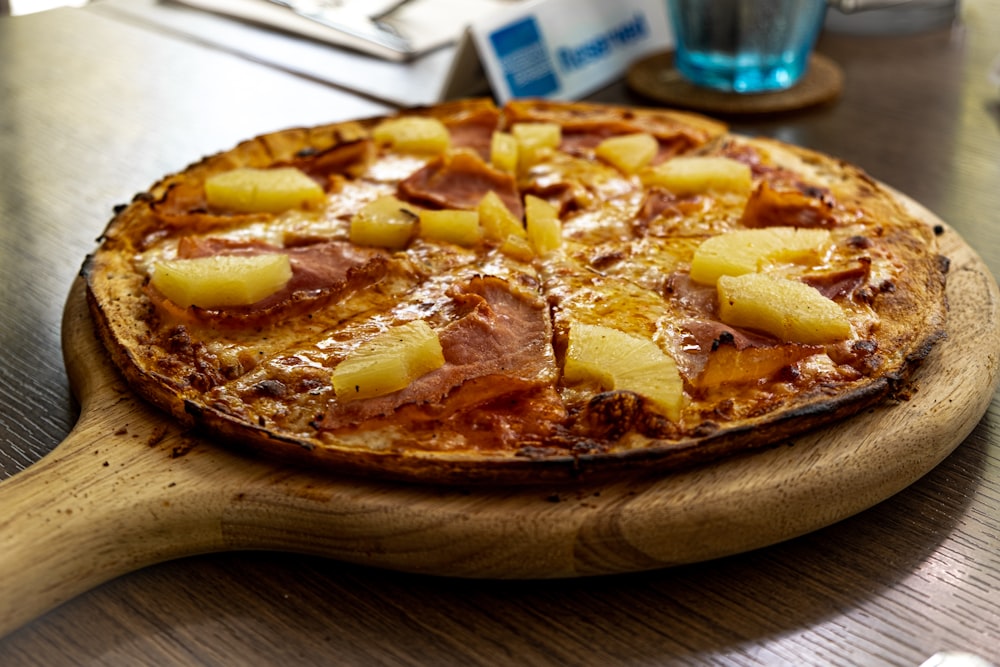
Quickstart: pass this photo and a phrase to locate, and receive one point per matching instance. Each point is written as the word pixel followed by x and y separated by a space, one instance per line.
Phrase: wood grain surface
pixel 128 488
pixel 93 108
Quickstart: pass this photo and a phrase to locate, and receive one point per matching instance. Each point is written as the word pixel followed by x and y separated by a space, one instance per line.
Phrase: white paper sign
pixel 565 49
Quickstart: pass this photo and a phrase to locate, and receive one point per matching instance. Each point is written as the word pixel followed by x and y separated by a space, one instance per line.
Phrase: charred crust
pixel 194 409
pixel 859 242
pixel 706 429
pixel 535 452
pixel 87 268
pixel 725 338
pixel 270 389
pixel 611 414
pixel 587 447
pixel 814 191
pixel 606 259
pixel 864 346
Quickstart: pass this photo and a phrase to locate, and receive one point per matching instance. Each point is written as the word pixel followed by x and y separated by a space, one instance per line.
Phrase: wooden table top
pixel 93 108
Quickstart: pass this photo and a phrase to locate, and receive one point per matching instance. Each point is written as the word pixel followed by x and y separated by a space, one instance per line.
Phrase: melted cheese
pixel 623 264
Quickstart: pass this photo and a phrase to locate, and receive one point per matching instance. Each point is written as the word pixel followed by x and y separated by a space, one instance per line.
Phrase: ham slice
pixel 582 137
pixel 768 207
pixel 460 179
pixel 500 344
pixel 314 266
pixel 343 158
pixel 320 272
pixel 474 131
pixel 723 355
pixel 183 206
pixel 713 353
pixel 841 283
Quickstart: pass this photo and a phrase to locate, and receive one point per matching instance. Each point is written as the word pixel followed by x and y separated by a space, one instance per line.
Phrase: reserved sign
pixel 565 49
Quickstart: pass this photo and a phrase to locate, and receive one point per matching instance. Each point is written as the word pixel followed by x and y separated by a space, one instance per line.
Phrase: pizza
pixel 544 291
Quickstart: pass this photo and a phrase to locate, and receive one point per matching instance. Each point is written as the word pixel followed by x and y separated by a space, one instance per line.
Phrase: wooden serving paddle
pixel 128 488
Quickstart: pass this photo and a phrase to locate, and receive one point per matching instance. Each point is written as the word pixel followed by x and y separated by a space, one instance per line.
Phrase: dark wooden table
pixel 94 108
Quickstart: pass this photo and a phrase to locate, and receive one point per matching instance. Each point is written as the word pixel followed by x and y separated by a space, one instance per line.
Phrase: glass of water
pixel 745 46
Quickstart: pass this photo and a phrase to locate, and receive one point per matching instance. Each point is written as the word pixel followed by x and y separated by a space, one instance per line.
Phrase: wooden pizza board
pixel 128 488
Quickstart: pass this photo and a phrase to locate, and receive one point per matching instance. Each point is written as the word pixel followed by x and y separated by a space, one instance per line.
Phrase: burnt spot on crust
pixel 725 409
pixel 535 452
pixel 190 360
pixel 705 429
pixel 271 388
pixel 859 242
pixel 725 338
pixel 610 414
pixel 343 157
pixel 868 293
pixel 607 258
pixel 861 355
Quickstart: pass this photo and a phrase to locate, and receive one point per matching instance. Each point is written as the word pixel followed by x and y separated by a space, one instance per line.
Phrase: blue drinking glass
pixel 744 46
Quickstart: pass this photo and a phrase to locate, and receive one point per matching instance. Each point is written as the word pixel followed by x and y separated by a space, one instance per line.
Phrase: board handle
pixel 92 510
pixel 124 490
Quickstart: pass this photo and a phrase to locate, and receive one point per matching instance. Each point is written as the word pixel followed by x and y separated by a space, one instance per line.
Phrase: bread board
pixel 128 488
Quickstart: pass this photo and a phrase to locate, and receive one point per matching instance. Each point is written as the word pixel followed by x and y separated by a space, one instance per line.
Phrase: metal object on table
pixel 955 659
pixel 886 17
pixel 350 22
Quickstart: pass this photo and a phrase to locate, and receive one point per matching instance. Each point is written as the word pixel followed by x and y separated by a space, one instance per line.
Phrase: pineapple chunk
pixel 497 220
pixel 386 222
pixel 499 224
pixel 503 151
pixel 749 250
pixel 249 190
pixel 630 152
pixel 700 174
pixel 221 280
pixel 517 247
pixel 414 134
pixel 543 226
pixel 790 310
pixel 537 135
pixel 388 362
pixel 618 360
pixel 534 140
pixel 452 226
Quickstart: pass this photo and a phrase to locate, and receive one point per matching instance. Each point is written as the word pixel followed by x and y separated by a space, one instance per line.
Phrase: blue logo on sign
pixel 525 61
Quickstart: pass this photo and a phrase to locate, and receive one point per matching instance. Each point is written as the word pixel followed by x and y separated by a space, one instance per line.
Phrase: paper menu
pixel 426 24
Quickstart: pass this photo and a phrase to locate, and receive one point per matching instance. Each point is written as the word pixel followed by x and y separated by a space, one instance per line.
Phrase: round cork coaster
pixel 656 77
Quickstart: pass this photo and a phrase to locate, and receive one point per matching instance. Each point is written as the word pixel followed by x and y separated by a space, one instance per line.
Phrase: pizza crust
pixel 187 373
